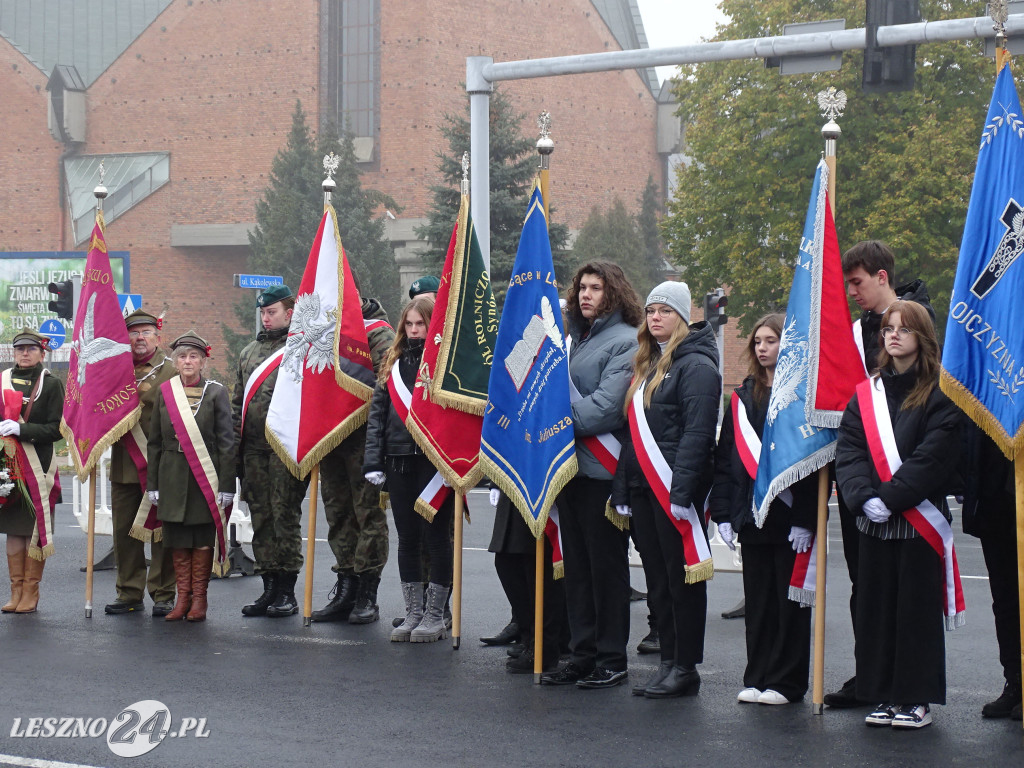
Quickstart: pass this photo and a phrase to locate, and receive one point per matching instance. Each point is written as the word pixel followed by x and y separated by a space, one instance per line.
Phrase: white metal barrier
pixel 80 499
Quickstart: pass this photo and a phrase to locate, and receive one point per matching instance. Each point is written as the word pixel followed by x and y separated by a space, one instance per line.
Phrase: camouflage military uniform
pixel 273 493
pixel 357 526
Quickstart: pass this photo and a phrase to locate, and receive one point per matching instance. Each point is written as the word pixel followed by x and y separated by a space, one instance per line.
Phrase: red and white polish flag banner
pixel 326 377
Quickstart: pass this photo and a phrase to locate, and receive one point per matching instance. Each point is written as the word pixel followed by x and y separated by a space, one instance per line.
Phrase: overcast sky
pixel 678 22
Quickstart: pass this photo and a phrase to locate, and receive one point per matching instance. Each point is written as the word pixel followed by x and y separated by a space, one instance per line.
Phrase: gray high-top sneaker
pixel 432 628
pixel 413 594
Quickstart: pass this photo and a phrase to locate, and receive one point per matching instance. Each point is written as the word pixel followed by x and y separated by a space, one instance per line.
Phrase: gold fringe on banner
pixel 980 415
pixel 703 571
pixel 562 477
pixel 619 521
pixel 384 501
pixel 329 442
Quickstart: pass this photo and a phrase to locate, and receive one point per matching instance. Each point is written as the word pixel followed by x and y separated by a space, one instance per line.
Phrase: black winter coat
pixel 928 440
pixel 988 484
pixel 732 495
pixel 386 434
pixel 871 322
pixel 683 416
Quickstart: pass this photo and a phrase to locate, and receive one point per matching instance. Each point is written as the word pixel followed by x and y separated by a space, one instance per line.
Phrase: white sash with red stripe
pixel 748 446
pixel 699 564
pixel 858 339
pixel 146 526
pixel 372 325
pixel 436 492
pixel 606 448
pixel 256 379
pixel 926 518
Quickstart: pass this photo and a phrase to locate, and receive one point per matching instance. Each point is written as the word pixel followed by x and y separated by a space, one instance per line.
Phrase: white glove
pixel 9 427
pixel 225 499
pixel 445 483
pixel 622 509
pixel 495 495
pixel 728 535
pixel 679 513
pixel 154 496
pixel 376 478
pixel 801 538
pixel 876 510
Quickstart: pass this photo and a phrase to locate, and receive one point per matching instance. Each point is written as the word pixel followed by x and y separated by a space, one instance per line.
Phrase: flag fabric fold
pixel 818 366
pixel 527 444
pixel 983 353
pixel 446 411
pixel 326 376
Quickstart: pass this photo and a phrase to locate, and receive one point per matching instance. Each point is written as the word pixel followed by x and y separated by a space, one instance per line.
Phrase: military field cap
pixel 425 284
pixel 192 339
pixel 29 338
pixel 141 317
pixel 272 295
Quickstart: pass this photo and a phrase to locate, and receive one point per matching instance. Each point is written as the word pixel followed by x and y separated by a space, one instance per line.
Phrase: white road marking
pixel 32 762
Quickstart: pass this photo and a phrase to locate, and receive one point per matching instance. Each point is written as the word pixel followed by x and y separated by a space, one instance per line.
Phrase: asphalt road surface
pixel 273 693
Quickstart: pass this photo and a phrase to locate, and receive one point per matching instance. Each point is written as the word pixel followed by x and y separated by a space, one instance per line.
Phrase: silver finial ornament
pixel 465 173
pixel 999 11
pixel 832 103
pixel 331 163
pixel 100 191
pixel 544 144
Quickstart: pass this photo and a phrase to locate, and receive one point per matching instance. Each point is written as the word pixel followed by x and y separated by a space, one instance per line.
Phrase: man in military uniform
pixel 428 285
pixel 274 494
pixel 152 368
pixel 358 527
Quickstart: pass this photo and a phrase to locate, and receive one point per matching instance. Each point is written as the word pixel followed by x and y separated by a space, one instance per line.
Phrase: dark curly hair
pixel 619 295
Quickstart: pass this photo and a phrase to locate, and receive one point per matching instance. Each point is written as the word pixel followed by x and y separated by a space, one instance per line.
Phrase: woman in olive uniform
pixel 189 529
pixel 39 427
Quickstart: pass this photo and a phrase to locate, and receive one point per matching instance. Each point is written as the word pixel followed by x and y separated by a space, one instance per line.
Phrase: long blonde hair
pixel 424 306
pixel 649 357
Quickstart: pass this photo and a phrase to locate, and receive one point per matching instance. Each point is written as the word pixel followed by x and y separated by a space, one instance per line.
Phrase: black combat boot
pixel 264 601
pixel 365 610
pixel 341 600
pixel 285 604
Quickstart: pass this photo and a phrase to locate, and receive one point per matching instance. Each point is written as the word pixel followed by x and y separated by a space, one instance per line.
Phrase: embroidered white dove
pixel 91 348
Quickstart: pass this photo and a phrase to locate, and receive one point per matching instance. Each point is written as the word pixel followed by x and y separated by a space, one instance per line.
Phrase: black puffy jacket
pixel 386 434
pixel 732 495
pixel 682 416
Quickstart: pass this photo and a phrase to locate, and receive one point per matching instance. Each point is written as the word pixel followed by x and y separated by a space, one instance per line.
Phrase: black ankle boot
pixel 285 604
pixel 680 681
pixel 264 601
pixel 1008 699
pixel 365 610
pixel 341 600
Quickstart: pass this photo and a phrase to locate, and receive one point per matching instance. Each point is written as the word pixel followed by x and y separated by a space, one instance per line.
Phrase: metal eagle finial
pixel 100 191
pixel 331 163
pixel 999 11
pixel 832 103
pixel 465 173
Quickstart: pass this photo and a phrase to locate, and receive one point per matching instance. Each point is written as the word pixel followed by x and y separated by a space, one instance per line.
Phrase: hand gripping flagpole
pixel 545 146
pixel 832 104
pixel 100 192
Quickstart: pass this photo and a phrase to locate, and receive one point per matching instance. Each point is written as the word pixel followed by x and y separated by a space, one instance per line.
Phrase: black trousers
pixel 851 551
pixel 901 652
pixel 778 629
pixel 518 576
pixel 999 546
pixel 407 477
pixel 681 609
pixel 596 575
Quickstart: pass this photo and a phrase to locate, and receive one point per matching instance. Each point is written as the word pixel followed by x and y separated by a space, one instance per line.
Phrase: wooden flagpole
pixel 90 546
pixel 307 599
pixel 457 572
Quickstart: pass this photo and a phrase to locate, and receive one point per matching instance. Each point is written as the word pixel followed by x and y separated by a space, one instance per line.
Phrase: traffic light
pixel 714 308
pixel 888 69
pixel 64 303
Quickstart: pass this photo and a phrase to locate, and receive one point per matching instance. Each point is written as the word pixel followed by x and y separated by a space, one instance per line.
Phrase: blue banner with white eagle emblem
pixel 983 354
pixel 791 447
pixel 527 445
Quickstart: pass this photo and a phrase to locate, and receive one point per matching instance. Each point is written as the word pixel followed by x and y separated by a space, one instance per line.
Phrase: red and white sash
pixel 256 379
pixel 43 486
pixel 858 340
pixel 553 531
pixel 146 526
pixel 699 564
pixel 436 492
pixel 372 325
pixel 926 518
pixel 198 457
pixel 606 448
pixel 748 446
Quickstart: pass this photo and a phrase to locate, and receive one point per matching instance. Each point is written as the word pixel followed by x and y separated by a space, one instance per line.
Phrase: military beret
pixel 425 284
pixel 192 339
pixel 142 317
pixel 30 338
pixel 272 295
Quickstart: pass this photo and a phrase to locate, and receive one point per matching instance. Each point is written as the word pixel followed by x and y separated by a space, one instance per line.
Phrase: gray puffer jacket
pixel 601 367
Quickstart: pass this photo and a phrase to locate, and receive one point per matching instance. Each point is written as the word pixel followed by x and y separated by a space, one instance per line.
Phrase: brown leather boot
pixel 202 566
pixel 16 567
pixel 30 589
pixel 182 561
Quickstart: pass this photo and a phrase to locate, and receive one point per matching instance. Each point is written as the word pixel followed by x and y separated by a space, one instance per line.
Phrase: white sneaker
pixel 912 716
pixel 772 697
pixel 748 696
